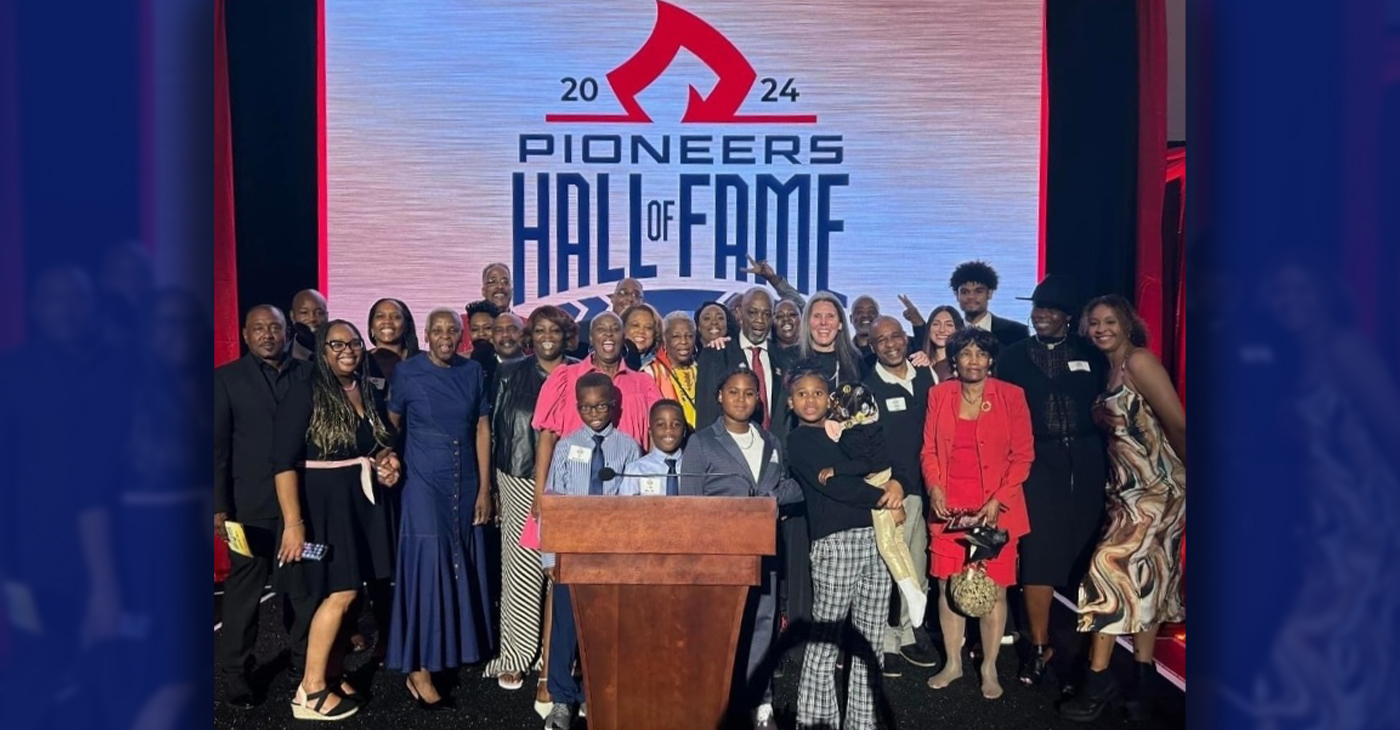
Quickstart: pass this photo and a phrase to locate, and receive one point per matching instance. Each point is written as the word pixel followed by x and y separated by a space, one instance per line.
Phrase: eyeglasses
pixel 340 345
pixel 603 407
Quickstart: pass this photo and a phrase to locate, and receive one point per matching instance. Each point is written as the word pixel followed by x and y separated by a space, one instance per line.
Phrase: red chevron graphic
pixel 676 29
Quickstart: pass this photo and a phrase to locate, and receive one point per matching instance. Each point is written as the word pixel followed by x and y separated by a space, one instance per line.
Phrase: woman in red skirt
pixel 977 452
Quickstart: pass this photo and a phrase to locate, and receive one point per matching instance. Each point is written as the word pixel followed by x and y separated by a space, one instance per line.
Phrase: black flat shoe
pixel 1033 669
pixel 443 703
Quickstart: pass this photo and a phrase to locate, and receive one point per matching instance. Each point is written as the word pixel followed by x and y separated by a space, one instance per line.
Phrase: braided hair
pixel 333 420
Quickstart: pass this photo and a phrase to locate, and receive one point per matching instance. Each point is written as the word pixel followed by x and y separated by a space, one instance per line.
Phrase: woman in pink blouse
pixel 556 411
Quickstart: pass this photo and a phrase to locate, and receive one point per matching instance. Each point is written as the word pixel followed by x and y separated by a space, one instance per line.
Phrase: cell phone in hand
pixel 313 551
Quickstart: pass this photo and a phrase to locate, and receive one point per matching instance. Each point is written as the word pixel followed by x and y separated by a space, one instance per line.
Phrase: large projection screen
pixel 862 148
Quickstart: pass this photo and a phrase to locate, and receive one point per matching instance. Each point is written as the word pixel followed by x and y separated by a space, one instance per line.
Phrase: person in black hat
pixel 1062 375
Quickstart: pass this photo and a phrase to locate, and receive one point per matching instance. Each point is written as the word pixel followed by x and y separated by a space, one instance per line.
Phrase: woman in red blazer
pixel 977 452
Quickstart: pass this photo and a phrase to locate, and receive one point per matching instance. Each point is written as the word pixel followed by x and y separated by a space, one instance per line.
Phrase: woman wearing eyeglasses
pixel 441 616
pixel 331 443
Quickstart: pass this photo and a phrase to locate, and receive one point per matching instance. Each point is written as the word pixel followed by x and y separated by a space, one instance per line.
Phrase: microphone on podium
pixel 607 474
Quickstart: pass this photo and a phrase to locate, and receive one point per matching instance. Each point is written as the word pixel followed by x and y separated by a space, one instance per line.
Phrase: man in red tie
pixel 753 348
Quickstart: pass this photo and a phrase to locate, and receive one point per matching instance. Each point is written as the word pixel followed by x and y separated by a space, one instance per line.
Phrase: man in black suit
pixel 975 283
pixel 754 349
pixel 247 392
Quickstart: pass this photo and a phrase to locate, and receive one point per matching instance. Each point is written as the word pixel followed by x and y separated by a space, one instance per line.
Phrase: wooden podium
pixel 659 586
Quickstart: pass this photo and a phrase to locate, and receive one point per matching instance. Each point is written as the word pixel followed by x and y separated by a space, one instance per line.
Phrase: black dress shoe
pixel 238 693
pixel 893 665
pixel 444 702
pixel 921 653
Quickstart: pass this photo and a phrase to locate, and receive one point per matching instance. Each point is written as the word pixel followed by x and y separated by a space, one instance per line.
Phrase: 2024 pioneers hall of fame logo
pixel 772 207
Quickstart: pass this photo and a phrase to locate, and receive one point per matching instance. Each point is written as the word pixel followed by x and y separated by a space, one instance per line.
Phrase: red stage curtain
pixel 1150 296
pixel 1174 243
pixel 226 328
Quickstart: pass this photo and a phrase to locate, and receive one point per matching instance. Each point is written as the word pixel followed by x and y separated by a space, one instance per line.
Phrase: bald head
pixel 864 310
pixel 756 314
pixel 496 286
pixel 265 332
pixel 626 293
pixel 309 308
pixel 506 334
pixel 889 342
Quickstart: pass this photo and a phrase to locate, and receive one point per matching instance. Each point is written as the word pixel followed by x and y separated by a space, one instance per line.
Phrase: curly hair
pixel 1124 311
pixel 333 420
pixel 560 318
pixel 967 336
pixel 974 272
pixel 410 330
pixel 481 306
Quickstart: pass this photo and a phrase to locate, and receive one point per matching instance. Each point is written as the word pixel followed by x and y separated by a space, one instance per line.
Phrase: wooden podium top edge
pixel 659 525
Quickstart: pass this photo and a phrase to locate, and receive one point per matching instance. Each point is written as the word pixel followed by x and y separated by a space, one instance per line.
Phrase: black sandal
pixel 1033 669
pixel 303 709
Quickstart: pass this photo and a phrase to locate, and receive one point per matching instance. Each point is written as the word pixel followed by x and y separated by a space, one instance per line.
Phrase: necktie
pixel 595 480
pixel 673 482
pixel 757 367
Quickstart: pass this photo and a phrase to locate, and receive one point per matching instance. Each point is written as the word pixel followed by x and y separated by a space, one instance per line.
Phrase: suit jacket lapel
pixel 731 448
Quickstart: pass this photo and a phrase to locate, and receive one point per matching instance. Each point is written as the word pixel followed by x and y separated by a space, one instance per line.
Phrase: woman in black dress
pixel 391 331
pixel 330 442
pixel 1062 374
pixel 394 336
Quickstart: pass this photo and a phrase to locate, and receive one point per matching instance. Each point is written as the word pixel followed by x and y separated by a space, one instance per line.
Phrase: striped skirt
pixel 522 582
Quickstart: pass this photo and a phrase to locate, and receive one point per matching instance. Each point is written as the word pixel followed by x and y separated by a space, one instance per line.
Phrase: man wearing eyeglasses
pixel 496 286
pixel 247 392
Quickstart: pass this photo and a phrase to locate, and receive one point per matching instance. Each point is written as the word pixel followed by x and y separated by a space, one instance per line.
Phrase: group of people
pixel 401 457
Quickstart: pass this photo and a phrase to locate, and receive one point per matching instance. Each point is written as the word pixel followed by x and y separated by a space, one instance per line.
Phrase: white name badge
pixel 773 457
pixel 651 486
pixel 1079 365
pixel 895 405
pixel 581 454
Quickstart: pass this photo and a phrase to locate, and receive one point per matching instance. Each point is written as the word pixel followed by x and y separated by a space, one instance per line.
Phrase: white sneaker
pixel 583 709
pixel 763 718
pixel 560 717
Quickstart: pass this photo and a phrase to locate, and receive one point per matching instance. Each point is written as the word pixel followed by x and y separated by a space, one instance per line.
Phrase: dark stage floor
pixel 482 704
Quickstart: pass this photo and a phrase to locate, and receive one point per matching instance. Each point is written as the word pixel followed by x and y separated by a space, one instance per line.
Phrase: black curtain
pixel 272 104
pixel 1091 185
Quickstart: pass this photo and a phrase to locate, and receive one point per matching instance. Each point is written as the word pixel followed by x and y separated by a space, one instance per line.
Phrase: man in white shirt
pixel 753 349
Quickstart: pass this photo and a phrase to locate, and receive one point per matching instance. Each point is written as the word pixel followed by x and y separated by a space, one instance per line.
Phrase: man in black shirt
pixel 247 392
pixel 901 391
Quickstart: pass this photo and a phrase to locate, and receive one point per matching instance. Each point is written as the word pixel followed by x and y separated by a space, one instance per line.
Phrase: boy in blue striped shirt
pixel 579 459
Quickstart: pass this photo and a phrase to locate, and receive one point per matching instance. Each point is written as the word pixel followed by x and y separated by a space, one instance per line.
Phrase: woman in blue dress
pixel 441 616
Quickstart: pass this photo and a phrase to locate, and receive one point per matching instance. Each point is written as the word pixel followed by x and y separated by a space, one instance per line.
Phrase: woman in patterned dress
pixel 1134 583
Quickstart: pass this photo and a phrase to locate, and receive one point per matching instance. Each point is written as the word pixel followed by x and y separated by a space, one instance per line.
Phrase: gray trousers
pixel 760 634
